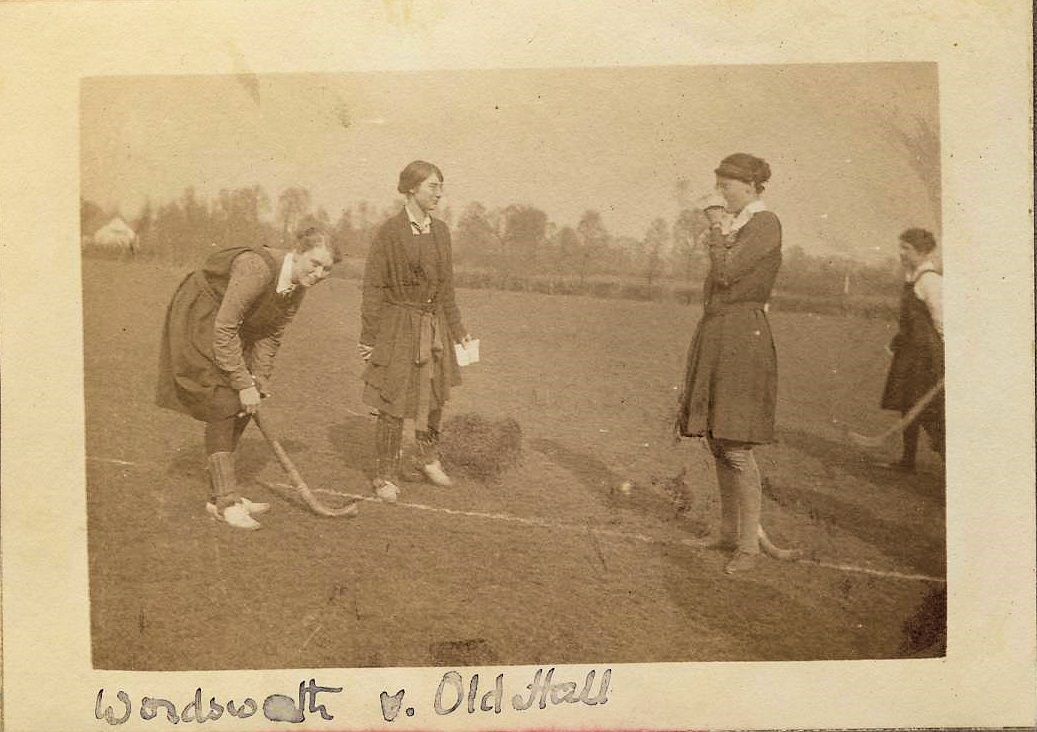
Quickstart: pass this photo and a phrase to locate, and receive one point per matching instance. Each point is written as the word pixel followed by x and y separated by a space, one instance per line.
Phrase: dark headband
pixel 730 170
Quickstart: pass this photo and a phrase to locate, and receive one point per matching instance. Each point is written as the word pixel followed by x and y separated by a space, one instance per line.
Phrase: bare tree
pixel 921 140
pixel 687 232
pixel 652 247
pixel 525 232
pixel 292 205
pixel 593 240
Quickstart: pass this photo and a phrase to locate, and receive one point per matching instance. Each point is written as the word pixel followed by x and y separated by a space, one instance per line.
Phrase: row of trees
pixel 518 241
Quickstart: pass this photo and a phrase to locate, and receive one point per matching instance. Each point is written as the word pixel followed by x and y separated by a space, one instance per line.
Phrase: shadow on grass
pixel 667 499
pixel 353 441
pixel 759 621
pixel 251 457
pixel 852 461
pixel 922 551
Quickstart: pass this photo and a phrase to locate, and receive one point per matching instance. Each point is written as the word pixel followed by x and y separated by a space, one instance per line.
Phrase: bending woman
pixel 222 332
pixel 409 324
pixel 730 385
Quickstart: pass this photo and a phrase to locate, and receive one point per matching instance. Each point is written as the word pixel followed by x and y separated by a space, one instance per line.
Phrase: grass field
pixel 550 564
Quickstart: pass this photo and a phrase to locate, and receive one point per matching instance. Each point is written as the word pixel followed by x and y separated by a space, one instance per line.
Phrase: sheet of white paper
pixel 469 355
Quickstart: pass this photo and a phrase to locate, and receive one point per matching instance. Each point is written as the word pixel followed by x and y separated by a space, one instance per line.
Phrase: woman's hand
pixel 715 215
pixel 249 399
pixel 467 340
pixel 365 351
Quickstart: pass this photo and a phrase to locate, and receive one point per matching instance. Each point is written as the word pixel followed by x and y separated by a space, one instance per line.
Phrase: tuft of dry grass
pixel 480 448
pixel 925 632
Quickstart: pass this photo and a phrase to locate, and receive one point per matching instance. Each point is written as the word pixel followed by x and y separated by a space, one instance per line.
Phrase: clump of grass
pixel 480 448
pixel 925 632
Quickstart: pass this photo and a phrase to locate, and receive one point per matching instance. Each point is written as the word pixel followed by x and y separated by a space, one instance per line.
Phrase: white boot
pixel 234 515
pixel 225 491
pixel 436 475
pixel 254 508
pixel 386 490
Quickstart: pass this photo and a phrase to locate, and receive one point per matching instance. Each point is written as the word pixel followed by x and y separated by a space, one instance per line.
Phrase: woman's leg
pixel 221 436
pixel 428 450
pixel 910 441
pixel 240 423
pixel 388 439
pixel 737 458
pixel 932 421
pixel 735 462
pixel 428 440
pixel 728 500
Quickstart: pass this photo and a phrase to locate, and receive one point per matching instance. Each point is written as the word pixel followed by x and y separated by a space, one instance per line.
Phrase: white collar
pixel 925 266
pixel 743 216
pixel 423 224
pixel 284 279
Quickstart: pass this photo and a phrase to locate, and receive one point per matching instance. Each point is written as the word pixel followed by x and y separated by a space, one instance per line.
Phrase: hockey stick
pixel 296 478
pixel 901 424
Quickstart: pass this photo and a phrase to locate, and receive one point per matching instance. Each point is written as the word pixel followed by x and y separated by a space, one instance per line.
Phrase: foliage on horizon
pixel 516 241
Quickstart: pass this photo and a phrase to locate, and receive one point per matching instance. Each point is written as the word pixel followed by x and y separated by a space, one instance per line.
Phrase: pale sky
pixel 564 140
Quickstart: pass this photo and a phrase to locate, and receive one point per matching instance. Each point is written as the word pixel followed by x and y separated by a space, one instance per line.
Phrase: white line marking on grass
pixel 612 533
pixel 310 637
pixel 111 461
pixel 874 572
pixel 643 538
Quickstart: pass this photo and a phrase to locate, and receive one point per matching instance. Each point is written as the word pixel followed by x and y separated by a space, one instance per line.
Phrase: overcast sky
pixel 565 140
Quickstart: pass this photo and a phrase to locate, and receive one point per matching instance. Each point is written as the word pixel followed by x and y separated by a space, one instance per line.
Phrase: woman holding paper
pixel 730 385
pixel 410 324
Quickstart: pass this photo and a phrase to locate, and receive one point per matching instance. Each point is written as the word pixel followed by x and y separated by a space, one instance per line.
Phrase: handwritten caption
pixel 455 694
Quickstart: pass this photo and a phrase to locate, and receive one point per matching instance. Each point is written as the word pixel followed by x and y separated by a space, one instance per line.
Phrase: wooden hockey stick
pixel 901 424
pixel 296 478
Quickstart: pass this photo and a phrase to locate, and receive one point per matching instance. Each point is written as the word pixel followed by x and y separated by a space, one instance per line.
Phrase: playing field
pixel 551 564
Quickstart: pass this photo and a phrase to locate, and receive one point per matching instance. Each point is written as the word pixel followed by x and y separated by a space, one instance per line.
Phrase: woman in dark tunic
pixel 222 332
pixel 730 385
pixel 410 323
pixel 918 346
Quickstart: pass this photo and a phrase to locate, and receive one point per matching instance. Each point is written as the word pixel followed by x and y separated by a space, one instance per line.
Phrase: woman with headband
pixel 731 380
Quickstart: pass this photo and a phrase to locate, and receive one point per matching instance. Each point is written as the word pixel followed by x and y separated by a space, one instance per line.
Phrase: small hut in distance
pixel 115 237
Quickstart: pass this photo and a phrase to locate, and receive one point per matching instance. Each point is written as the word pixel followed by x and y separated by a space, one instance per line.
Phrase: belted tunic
pixel 731 379
pixel 410 317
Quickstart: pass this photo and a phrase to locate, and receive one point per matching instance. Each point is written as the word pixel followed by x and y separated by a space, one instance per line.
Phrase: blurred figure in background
pixel 917 347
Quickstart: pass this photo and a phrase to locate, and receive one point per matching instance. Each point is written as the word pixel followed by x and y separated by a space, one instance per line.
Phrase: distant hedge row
pixel 858 306
pixel 625 289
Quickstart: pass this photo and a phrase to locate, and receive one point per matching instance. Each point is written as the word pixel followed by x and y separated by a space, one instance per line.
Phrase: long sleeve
pixel 249 277
pixel 759 238
pixel 929 289
pixel 265 349
pixel 376 280
pixel 447 295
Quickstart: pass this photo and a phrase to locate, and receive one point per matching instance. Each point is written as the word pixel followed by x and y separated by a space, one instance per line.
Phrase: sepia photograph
pixel 514 367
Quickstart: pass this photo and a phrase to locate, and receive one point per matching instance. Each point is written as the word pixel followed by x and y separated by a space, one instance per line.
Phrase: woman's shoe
pixel 386 490
pixel 741 562
pixel 434 472
pixel 254 508
pixel 233 515
pixel 720 544
pixel 900 466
